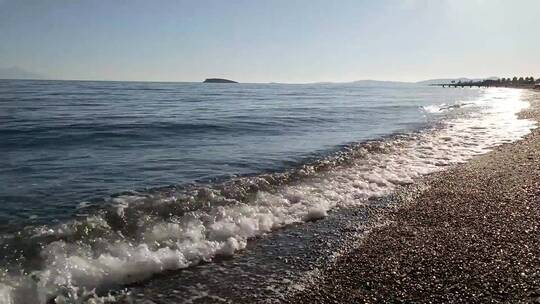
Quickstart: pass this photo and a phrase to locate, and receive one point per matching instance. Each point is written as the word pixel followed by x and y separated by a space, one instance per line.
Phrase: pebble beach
pixel 466 235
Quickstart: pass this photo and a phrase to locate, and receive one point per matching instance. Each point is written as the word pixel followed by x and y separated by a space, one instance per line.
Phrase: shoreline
pixel 489 84
pixel 332 259
pixel 281 264
pixel 471 235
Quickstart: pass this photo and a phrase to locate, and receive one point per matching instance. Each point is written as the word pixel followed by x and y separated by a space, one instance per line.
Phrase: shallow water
pixel 88 163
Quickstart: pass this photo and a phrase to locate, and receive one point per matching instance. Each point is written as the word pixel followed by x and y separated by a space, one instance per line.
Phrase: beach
pixel 469 234
pixel 375 217
pixel 269 152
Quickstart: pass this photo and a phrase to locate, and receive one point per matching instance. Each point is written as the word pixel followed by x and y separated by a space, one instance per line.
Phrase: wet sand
pixel 469 234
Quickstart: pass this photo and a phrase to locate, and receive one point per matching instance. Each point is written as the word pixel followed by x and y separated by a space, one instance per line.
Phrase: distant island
pixel 218 80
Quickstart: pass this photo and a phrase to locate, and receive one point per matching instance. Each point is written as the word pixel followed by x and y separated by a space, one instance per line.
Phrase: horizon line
pixel 268 82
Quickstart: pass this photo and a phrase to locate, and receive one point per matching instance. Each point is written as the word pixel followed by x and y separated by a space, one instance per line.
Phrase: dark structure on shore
pixel 527 82
pixel 218 80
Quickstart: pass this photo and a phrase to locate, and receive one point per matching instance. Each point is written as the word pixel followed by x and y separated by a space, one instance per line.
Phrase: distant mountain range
pixel 370 82
pixel 381 83
pixel 18 73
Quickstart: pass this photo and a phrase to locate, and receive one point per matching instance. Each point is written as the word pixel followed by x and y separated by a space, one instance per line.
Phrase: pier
pixel 527 82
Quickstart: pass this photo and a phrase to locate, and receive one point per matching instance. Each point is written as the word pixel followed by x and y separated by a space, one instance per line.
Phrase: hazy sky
pixel 264 41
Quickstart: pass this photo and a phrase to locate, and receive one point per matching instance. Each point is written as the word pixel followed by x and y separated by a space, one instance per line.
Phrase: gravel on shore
pixel 472 236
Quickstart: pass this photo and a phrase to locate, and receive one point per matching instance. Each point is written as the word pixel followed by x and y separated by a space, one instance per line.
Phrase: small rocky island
pixel 218 80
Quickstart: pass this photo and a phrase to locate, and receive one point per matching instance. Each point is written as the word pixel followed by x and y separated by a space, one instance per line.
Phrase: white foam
pixel 435 108
pixel 73 270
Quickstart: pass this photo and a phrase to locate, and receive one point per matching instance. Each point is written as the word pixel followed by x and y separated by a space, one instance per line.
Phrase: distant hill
pixel 369 83
pixel 218 80
pixel 18 73
pixel 449 80
pixel 381 83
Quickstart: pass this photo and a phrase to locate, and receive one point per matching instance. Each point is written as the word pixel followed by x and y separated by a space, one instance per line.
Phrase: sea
pixel 182 192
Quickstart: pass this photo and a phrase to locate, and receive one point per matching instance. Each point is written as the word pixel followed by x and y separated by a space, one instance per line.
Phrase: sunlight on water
pixel 145 233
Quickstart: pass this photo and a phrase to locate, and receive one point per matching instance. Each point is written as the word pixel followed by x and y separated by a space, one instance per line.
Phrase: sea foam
pixel 149 233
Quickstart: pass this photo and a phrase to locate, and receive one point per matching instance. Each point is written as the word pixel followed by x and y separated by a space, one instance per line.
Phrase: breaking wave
pixel 443 107
pixel 139 234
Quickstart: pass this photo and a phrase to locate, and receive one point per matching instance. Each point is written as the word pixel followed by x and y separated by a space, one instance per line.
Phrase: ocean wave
pixel 443 107
pixel 140 234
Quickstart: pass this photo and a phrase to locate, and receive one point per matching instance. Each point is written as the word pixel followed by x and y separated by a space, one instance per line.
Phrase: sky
pixel 271 40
